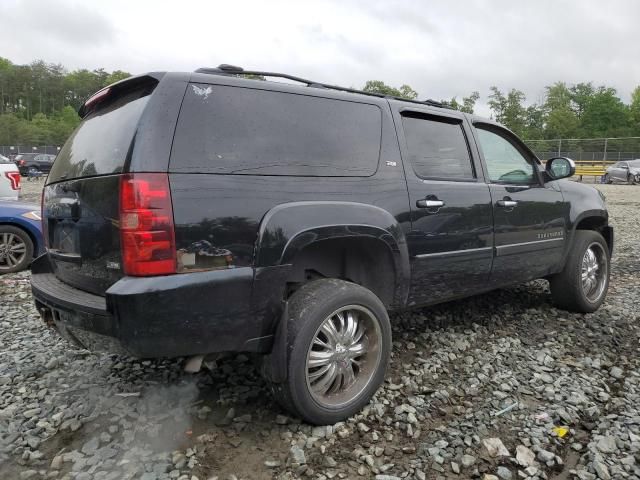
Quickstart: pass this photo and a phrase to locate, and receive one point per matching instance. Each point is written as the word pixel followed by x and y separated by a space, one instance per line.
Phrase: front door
pixel 530 216
pixel 620 171
pixel 451 237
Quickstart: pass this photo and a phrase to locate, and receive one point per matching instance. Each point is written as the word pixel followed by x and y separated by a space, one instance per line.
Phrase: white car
pixel 9 179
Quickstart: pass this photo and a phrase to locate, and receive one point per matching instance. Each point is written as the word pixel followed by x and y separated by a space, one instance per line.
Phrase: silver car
pixel 626 171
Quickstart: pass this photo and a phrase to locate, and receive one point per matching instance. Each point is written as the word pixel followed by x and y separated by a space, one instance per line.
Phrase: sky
pixel 441 48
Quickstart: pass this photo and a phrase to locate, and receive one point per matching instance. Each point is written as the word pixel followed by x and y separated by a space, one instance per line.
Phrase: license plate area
pixel 65 239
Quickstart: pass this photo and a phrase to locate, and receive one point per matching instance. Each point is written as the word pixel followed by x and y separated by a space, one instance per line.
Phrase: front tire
pixel 607 179
pixel 582 285
pixel 16 249
pixel 339 342
pixel 631 179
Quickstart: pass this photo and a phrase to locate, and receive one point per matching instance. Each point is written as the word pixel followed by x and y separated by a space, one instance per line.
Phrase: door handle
pixel 429 203
pixel 507 203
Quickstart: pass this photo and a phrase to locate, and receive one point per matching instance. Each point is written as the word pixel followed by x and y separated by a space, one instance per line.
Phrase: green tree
pixel 116 76
pixel 634 112
pixel 467 105
pixel 605 115
pixel 508 109
pixel 561 119
pixel 379 87
pixel 535 117
pixel 581 95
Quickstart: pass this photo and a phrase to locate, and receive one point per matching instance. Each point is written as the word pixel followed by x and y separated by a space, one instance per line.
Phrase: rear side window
pixel 437 147
pixel 100 144
pixel 234 130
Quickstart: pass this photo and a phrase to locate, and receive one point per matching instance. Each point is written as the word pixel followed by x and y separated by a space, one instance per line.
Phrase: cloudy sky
pixel 442 48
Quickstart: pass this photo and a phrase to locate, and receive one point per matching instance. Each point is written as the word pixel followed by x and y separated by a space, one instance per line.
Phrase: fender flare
pixel 288 228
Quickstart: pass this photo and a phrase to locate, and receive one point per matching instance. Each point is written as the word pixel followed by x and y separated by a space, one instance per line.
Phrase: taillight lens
pixel 146 225
pixel 14 178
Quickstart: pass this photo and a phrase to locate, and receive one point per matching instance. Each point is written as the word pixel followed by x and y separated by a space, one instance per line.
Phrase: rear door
pixel 530 216
pixel 81 197
pixel 451 237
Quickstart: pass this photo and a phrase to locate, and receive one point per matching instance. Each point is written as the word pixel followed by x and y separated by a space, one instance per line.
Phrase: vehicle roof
pixel 215 76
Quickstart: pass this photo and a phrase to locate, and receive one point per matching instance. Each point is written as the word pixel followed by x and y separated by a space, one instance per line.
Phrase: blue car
pixel 20 235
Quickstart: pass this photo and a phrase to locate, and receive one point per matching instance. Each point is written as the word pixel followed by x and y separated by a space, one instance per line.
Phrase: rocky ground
pixel 497 386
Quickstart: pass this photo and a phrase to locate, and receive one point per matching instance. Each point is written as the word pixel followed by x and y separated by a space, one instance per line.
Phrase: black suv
pixel 193 213
pixel 35 162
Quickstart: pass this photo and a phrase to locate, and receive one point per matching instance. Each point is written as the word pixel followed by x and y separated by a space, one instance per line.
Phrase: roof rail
pixel 226 69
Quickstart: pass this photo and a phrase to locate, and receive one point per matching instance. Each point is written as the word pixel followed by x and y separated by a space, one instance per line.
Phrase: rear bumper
pixel 166 316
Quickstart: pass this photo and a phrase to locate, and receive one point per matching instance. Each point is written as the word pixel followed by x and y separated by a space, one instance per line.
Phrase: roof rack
pixel 226 69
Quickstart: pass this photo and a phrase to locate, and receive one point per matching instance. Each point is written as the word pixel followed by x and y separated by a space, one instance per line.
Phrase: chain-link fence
pixel 592 150
pixel 12 150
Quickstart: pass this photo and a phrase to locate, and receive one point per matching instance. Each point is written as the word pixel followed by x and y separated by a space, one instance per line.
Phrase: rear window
pixel 234 130
pixel 4 159
pixel 100 144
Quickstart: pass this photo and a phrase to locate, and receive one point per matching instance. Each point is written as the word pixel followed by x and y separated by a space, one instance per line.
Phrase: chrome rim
pixel 12 250
pixel 344 355
pixel 594 272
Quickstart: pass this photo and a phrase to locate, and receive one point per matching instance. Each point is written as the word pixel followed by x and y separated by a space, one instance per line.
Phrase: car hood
pixel 634 170
pixel 17 207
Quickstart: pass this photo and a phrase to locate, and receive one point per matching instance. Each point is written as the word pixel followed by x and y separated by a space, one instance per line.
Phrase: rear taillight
pixel 14 178
pixel 21 163
pixel 146 225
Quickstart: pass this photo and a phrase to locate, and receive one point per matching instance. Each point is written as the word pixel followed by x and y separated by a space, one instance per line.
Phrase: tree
pixel 38 102
pixel 534 122
pixel 561 119
pixel 605 115
pixel 508 109
pixel 580 96
pixel 378 86
pixel 634 111
pixel 467 105
pixel 116 76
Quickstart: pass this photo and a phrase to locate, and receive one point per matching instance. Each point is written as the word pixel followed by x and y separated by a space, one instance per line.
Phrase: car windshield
pixel 4 159
pixel 634 163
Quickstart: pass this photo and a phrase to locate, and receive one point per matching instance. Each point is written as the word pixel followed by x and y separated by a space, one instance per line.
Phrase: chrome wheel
pixel 12 250
pixel 344 355
pixel 594 272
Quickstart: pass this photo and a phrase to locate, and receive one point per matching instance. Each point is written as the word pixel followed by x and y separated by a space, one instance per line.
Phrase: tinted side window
pixel 437 147
pixel 236 130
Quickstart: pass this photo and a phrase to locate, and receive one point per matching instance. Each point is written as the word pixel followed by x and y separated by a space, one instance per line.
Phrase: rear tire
pixel 16 249
pixel 338 348
pixel 582 285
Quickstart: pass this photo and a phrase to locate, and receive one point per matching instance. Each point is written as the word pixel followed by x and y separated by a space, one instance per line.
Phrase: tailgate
pixel 81 198
pixel 81 228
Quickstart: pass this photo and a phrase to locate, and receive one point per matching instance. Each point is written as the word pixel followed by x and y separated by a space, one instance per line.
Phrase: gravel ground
pixel 497 386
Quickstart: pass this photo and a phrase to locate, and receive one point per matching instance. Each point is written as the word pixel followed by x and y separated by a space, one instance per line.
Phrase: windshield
pixel 4 159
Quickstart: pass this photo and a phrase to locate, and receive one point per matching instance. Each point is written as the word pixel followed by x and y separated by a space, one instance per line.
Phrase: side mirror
pixel 560 167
